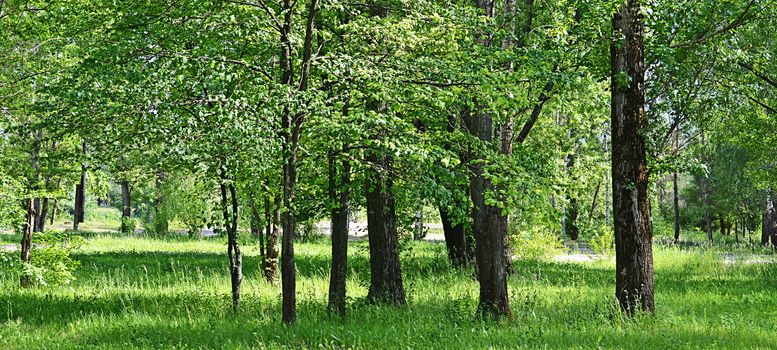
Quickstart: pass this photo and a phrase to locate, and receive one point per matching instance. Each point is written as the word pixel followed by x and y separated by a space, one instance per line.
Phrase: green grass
pixel 142 293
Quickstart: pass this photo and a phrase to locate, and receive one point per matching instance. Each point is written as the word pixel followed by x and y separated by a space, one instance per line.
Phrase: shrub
pixel 52 261
pixel 603 240
pixel 536 244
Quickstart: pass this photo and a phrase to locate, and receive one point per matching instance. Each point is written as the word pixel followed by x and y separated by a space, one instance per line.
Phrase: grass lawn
pixel 142 293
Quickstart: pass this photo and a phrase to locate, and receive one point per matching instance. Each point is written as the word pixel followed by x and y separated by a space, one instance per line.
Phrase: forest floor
pixel 145 293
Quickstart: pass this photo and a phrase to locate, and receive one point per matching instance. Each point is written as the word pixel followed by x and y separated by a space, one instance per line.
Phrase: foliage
pixel 603 240
pixel 53 262
pixel 536 244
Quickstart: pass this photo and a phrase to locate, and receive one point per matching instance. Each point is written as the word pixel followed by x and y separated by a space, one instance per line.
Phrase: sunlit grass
pixel 174 293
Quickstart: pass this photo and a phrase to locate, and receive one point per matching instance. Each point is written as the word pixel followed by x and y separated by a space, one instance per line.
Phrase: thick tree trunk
pixel 489 231
pixel 270 263
pixel 633 236
pixel 233 247
pixel 506 148
pixel 676 204
pixel 161 225
pixel 489 226
pixel 385 270
pixel 126 207
pixel 455 239
pixel 339 196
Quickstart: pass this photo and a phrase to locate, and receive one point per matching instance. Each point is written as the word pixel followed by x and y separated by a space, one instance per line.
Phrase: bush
pixel 52 261
pixel 603 240
pixel 536 244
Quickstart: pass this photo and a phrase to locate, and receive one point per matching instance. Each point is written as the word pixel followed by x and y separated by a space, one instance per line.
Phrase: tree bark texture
pixel 126 207
pixel 385 271
pixel 339 196
pixel 631 203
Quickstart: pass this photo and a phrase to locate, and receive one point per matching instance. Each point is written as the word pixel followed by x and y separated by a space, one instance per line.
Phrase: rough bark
pixel 489 231
pixel 385 270
pixel 631 203
pixel 489 228
pixel 339 196
pixel 126 207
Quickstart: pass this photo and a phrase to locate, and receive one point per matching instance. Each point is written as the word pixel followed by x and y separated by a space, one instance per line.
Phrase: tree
pixel 631 203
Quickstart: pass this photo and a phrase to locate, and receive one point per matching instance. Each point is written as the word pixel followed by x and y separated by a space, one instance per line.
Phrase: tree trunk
pixel 126 207
pixel 455 234
pixel 339 197
pixel 25 281
pixel 44 212
pixel 36 205
pixel 385 270
pixel 290 134
pixel 455 239
pixel 233 247
pixel 633 236
pixel 80 196
pixel 270 264
pixel 676 204
pixel 44 208
pixel 489 231
pixel 489 227
pixel 572 229
pixel 54 209
pixel 35 160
